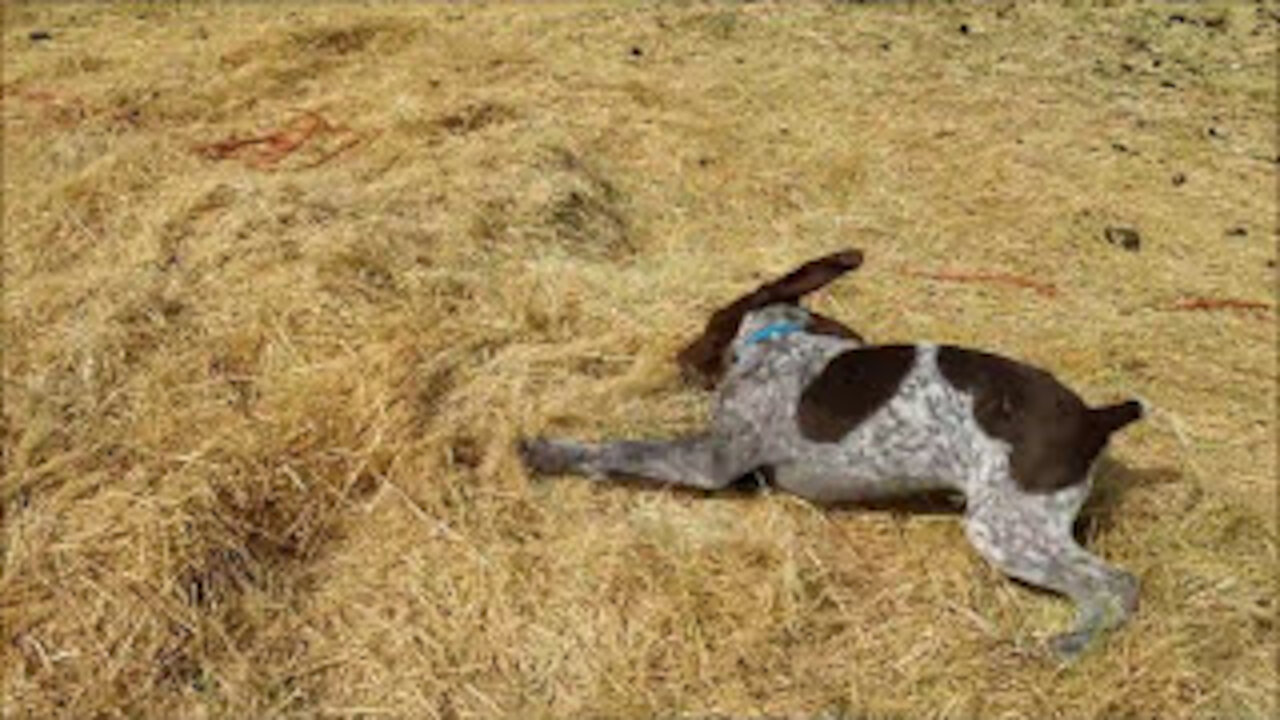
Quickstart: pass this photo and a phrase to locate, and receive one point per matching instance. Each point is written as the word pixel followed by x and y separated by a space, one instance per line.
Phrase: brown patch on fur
pixel 850 388
pixel 1054 436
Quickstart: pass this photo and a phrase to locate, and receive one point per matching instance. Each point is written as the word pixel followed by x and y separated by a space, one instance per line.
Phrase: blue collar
pixel 773 330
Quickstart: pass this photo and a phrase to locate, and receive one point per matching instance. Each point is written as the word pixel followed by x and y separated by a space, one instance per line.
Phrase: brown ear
pixel 702 361
pixel 823 325
pixel 812 276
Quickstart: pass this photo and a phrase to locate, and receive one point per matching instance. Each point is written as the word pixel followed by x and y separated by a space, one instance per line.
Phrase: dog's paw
pixel 550 457
pixel 1069 646
pixel 1125 586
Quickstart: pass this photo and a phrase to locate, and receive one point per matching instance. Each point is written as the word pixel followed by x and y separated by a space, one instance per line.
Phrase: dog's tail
pixel 1106 420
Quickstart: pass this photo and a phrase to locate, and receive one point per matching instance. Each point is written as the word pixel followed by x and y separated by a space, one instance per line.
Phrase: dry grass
pixel 283 285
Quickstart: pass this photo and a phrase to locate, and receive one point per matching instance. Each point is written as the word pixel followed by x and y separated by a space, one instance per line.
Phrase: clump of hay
pixel 263 374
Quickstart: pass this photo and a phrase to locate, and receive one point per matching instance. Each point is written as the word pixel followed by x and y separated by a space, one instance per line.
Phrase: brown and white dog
pixel 832 419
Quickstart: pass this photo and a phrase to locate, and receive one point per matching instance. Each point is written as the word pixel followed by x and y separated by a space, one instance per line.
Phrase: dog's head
pixel 705 360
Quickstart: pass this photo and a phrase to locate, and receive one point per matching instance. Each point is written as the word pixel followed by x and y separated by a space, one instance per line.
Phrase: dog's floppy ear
pixel 812 276
pixel 702 361
pixel 823 325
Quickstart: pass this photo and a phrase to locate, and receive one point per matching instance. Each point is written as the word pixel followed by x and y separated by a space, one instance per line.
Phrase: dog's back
pixel 849 423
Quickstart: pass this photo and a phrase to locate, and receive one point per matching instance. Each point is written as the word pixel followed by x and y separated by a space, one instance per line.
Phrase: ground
pixel 283 285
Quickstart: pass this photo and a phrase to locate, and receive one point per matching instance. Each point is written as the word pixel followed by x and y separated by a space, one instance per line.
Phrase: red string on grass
pixel 1203 303
pixel 1040 288
pixel 269 150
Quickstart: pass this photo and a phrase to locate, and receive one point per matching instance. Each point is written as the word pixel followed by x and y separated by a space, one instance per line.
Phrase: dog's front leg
pixel 705 461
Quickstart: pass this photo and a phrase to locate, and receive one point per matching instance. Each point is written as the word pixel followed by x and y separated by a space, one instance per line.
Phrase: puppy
pixel 833 420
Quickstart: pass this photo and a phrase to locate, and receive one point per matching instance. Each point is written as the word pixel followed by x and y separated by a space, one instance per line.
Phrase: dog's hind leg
pixel 1027 539
pixel 707 461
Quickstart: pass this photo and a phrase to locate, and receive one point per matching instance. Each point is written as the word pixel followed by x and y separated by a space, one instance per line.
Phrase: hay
pixel 282 286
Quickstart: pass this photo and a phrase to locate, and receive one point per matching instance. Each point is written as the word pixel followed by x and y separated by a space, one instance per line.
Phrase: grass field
pixel 283 285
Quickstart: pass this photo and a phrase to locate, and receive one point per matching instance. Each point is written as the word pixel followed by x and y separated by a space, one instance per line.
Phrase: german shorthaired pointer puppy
pixel 832 419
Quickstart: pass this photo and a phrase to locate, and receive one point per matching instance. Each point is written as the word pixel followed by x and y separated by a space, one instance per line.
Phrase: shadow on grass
pixel 1112 480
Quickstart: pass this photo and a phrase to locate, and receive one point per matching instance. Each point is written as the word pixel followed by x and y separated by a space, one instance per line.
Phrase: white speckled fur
pixel 925 437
